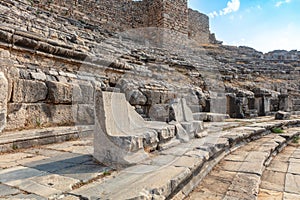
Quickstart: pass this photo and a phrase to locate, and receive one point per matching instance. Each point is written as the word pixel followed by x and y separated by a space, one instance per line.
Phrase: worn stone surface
pixel 294 168
pixel 29 91
pixel 280 115
pixel 290 196
pixel 57 182
pixel 270 194
pixel 68 47
pixel 137 179
pixel 272 180
pixel 3 100
pixel 242 173
pixel 7 190
pixel 292 183
pixel 59 92
pixel 21 116
pixel 281 180
pixel 68 167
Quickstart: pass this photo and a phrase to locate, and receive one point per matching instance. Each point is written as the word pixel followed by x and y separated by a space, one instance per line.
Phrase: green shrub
pixel 106 173
pixel 296 139
pixel 277 130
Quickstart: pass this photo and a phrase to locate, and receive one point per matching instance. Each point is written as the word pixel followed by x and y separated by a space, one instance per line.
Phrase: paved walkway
pixel 281 179
pixel 48 172
pixel 239 174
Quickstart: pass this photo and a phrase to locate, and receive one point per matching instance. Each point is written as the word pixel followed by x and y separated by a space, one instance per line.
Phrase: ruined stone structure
pixel 120 15
pixel 54 58
pixel 134 77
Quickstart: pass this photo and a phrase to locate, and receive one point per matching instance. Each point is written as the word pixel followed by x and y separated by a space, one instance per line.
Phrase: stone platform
pixel 68 171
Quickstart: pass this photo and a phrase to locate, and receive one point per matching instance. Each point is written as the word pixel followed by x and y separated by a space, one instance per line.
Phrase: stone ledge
pixel 28 138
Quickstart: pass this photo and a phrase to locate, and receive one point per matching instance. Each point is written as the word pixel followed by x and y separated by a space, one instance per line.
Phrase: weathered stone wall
pixel 175 15
pixel 198 26
pixel 35 95
pixel 114 15
pixel 120 15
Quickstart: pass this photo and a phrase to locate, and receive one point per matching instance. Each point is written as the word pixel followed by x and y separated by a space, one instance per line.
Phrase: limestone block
pixel 4 54
pixel 59 92
pixel 87 93
pixel 280 115
pixel 61 115
pixel 83 93
pixel 218 105
pixel 201 116
pixel 196 108
pixel 84 114
pixel 182 113
pixel 3 100
pixel 28 91
pixel 153 97
pixel 16 116
pixel 188 126
pixel 38 115
pixel 159 112
pixel 216 117
pixel 181 133
pixel 136 97
pixel 38 76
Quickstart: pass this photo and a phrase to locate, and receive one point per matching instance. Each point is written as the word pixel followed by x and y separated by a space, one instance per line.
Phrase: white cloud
pixel 213 14
pixel 279 3
pixel 232 6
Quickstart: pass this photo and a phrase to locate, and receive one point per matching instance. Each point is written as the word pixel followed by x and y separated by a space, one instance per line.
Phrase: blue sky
pixel 262 24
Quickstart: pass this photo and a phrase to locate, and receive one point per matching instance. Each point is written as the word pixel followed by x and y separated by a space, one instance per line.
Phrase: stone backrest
pixel 183 116
pixel 116 113
pixel 121 118
pixel 182 112
pixel 121 134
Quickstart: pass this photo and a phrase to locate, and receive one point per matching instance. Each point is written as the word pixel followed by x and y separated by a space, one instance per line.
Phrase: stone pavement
pixel 239 174
pixel 281 179
pixel 48 172
pixel 68 171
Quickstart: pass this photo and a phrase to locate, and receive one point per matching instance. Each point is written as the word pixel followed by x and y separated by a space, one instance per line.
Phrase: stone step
pixel 195 108
pixel 176 171
pixel 210 117
pixel 28 138
pixel 239 174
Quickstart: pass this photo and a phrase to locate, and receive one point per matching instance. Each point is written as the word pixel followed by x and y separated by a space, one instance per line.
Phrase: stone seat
pixel 187 127
pixel 122 136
